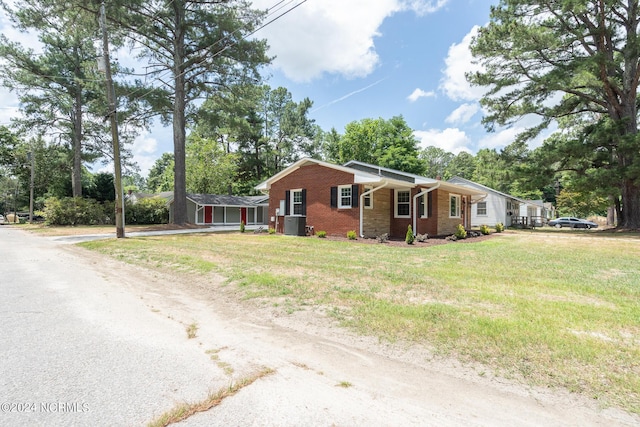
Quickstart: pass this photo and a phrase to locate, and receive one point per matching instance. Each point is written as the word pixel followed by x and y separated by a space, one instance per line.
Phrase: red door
pixel 243 215
pixel 208 214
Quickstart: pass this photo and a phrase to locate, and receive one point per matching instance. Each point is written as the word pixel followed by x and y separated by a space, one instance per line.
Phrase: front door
pixel 243 215
pixel 208 214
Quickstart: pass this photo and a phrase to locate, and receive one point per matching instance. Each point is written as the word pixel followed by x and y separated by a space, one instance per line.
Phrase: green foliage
pixel 460 233
pixel 529 59
pixel 351 235
pixel 409 237
pixel 484 229
pixel 210 170
pixel 388 143
pixel 321 234
pixel 242 227
pixel 499 227
pixel 161 174
pixel 436 161
pixel 272 230
pixel 582 205
pixel 151 210
pixel 462 165
pixel 101 187
pixel 77 211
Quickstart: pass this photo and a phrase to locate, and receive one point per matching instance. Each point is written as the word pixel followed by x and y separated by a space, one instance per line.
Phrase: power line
pixel 271 11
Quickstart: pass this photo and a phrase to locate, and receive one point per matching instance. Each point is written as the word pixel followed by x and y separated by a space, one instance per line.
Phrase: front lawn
pixel 551 309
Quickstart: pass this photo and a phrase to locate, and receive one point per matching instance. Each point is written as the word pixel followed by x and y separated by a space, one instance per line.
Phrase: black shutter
pixel 304 202
pixel 429 204
pixel 334 197
pixel 354 196
pixel 287 202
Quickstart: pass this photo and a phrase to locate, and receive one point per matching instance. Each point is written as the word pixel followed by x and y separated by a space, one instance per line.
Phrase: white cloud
pixel 419 93
pixel 422 7
pixel 463 114
pixel 144 151
pixel 9 108
pixel 452 140
pixel 332 36
pixel 458 62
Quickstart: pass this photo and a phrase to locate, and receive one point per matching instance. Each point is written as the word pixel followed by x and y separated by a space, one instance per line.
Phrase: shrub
pixel 151 210
pixel 351 235
pixel 484 229
pixel 77 211
pixel 321 234
pixel 272 230
pixel 409 238
pixel 460 233
pixel 242 227
pixel 499 227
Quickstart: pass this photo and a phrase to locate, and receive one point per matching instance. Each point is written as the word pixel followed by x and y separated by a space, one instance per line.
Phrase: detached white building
pixel 503 208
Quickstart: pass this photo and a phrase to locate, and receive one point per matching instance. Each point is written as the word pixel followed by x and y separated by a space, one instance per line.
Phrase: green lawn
pixel 550 309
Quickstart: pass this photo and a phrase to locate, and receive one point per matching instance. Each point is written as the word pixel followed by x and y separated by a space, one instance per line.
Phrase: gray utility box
pixel 295 225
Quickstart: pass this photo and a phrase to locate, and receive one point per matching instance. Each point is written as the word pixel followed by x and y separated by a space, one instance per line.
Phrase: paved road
pixel 92 342
pixel 77 350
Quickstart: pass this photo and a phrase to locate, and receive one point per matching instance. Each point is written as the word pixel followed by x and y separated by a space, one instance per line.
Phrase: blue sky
pixel 359 59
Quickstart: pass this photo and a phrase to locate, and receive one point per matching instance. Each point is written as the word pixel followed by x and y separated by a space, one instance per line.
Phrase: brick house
pixel 368 199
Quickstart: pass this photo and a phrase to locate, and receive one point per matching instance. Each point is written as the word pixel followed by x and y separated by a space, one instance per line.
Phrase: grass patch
pixel 550 308
pixel 183 411
pixel 192 330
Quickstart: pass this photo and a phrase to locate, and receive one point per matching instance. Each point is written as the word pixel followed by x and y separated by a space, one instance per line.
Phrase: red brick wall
pixel 423 225
pixel 317 180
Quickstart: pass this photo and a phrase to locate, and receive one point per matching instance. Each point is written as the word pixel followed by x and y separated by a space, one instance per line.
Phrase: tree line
pixel 575 64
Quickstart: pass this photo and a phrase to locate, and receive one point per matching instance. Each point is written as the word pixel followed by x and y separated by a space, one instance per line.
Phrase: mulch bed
pixel 400 242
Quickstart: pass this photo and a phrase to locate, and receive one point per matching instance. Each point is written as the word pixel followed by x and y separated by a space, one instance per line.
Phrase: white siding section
pixel 496 212
pixel 496 205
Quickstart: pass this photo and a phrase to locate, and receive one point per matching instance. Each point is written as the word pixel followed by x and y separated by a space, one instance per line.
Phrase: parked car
pixel 569 221
pixel 2 220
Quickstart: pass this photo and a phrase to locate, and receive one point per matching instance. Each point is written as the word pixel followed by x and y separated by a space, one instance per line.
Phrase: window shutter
pixel 430 204
pixel 304 202
pixel 354 195
pixel 334 197
pixel 287 203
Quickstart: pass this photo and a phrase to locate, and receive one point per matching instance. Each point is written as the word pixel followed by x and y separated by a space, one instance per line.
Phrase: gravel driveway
pixel 91 341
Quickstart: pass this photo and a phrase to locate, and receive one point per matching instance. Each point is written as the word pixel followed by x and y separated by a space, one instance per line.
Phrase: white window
pixel 482 208
pixel 344 196
pixel 368 198
pixel 403 204
pixel 296 202
pixel 454 206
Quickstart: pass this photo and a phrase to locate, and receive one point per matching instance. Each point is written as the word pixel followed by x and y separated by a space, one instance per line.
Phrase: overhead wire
pixel 270 11
pixel 277 7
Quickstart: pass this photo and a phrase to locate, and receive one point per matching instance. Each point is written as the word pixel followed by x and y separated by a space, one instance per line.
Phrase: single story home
pixel 499 207
pixel 212 209
pixel 368 199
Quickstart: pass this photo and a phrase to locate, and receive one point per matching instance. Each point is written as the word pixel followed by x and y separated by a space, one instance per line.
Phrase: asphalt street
pixel 76 350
